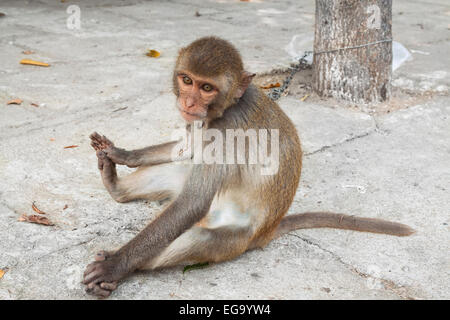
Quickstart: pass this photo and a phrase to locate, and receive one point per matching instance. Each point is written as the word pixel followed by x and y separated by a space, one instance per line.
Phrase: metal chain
pixel 302 64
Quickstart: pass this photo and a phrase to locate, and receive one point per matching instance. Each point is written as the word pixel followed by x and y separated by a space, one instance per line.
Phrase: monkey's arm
pixel 153 155
pixel 190 206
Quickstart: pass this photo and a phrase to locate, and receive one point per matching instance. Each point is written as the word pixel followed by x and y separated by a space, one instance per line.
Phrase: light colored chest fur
pixel 228 211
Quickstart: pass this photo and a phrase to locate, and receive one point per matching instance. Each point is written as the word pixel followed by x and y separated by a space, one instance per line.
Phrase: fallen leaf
pixel 73 146
pixel 153 53
pixel 2 273
pixel 35 219
pixel 195 266
pixel 65 207
pixel 2 14
pixel 27 52
pixel 304 97
pixel 34 104
pixel 34 63
pixel 271 85
pixel 15 101
pixel 120 109
pixel 35 209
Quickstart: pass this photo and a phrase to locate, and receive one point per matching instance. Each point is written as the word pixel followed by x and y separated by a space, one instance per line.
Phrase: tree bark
pixel 362 74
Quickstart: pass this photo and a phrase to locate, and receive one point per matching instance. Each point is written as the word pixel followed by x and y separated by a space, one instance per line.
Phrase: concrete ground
pixel 393 165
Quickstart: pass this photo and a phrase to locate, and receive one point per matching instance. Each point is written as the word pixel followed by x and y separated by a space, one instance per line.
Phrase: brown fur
pixel 218 211
pixel 310 220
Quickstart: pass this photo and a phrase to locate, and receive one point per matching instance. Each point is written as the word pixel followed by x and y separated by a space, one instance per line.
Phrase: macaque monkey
pixel 217 210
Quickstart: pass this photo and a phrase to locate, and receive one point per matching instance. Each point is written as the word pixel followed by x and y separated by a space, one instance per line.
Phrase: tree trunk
pixel 361 74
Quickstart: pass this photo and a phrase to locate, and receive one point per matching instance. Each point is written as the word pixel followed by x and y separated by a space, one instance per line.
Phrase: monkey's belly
pixel 226 213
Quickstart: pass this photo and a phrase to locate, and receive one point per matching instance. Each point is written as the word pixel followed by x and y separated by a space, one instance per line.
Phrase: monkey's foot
pixel 107 167
pixel 104 163
pixel 101 276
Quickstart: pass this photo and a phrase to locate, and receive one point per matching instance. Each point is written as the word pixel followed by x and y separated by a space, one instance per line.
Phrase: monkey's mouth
pixel 190 116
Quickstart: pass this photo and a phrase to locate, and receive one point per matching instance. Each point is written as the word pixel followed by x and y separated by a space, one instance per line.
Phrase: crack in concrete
pixel 65 248
pixel 340 143
pixel 77 116
pixel 389 285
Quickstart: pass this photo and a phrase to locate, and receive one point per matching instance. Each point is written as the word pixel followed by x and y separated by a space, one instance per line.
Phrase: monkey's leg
pixel 223 234
pixel 196 245
pixel 200 244
pixel 152 183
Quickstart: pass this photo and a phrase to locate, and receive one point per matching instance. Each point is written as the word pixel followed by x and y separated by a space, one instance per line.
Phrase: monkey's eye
pixel 207 87
pixel 187 80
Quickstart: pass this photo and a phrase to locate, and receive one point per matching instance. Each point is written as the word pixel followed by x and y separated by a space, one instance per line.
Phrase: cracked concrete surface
pixel 394 166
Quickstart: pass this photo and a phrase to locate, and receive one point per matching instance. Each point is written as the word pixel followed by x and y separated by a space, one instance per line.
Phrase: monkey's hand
pixel 100 143
pixel 117 155
pixel 101 276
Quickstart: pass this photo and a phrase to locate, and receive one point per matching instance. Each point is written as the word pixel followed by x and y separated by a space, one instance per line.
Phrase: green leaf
pixel 195 266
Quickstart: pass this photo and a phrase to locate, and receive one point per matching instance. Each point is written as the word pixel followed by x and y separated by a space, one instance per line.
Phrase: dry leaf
pixel 34 63
pixel 36 219
pixel 65 207
pixel 15 101
pixel 270 86
pixel 120 109
pixel 73 146
pixel 27 52
pixel 153 53
pixel 34 104
pixel 35 209
pixel 52 139
pixel 304 97
pixel 2 273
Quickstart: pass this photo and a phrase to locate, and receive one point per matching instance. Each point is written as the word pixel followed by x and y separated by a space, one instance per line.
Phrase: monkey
pixel 217 211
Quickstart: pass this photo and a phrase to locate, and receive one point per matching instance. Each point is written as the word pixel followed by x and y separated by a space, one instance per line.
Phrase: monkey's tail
pixel 310 220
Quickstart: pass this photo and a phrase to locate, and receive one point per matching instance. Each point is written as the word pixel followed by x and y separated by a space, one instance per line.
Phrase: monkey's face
pixel 195 95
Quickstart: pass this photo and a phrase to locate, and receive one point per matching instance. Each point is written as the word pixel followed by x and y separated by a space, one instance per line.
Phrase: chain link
pixel 302 64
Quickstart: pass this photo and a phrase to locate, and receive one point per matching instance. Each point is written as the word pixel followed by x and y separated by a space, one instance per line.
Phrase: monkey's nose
pixel 190 102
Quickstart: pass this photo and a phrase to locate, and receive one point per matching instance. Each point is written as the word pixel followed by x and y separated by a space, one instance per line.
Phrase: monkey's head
pixel 208 78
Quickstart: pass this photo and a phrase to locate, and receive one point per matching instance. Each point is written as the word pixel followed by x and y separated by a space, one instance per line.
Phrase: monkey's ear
pixel 246 78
